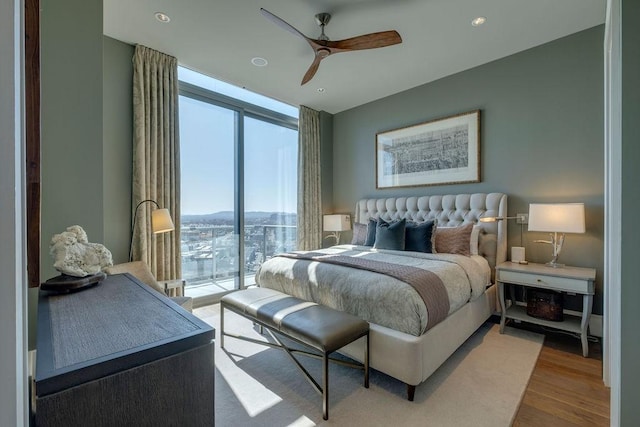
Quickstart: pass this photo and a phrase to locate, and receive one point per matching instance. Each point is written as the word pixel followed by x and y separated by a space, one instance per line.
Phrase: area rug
pixel 481 384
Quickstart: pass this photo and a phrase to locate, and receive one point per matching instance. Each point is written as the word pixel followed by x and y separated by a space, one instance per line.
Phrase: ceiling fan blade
pixel 366 41
pixel 312 70
pixel 282 23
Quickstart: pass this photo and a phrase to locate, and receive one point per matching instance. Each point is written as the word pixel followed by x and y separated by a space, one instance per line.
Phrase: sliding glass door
pixel 210 229
pixel 238 160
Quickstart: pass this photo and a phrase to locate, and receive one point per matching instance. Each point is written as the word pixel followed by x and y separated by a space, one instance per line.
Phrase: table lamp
pixel 336 223
pixel 556 218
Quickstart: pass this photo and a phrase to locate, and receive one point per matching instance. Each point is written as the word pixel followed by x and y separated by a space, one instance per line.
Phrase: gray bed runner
pixel 426 283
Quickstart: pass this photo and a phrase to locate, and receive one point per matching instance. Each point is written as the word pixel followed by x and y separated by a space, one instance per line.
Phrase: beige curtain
pixel 156 160
pixel 309 185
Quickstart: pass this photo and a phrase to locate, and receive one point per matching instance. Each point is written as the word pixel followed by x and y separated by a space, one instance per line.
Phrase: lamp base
pixel 554 264
pixel 335 235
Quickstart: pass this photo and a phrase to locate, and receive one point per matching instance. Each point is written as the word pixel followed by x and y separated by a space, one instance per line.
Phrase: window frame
pixel 242 109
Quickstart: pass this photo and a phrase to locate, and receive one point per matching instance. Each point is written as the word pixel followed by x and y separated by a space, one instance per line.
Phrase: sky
pixel 207 154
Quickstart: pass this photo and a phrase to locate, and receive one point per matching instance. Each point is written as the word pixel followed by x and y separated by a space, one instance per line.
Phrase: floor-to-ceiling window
pixel 238 160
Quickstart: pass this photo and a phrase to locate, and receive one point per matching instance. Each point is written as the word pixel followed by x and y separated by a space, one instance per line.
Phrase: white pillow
pixel 475 237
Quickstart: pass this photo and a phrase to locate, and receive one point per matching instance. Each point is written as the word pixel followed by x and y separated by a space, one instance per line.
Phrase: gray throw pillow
pixel 390 235
pixel 359 234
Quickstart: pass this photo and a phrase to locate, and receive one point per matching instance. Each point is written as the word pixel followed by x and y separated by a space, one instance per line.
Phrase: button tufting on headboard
pixel 450 210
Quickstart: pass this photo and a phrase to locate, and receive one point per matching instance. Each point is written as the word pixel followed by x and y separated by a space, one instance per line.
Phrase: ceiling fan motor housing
pixel 323 18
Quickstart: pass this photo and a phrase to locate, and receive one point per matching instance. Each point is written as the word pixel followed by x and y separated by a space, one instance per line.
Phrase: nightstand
pixel 572 280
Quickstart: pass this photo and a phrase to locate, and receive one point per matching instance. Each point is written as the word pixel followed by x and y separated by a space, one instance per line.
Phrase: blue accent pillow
pixel 371 233
pixel 390 235
pixel 418 237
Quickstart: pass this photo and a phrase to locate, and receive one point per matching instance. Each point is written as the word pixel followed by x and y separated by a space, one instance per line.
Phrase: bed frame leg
pixel 366 361
pixel 411 392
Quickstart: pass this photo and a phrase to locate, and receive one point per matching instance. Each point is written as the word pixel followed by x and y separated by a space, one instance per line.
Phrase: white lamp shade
pixel 557 217
pixel 161 221
pixel 336 222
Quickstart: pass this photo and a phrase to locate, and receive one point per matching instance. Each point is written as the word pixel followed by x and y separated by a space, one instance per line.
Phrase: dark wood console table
pixel 121 353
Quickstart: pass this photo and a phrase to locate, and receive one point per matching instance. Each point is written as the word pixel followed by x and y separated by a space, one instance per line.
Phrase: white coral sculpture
pixel 75 256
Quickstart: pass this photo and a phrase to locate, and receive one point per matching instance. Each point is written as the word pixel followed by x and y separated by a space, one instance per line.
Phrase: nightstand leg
pixel 503 309
pixel 512 295
pixel 587 305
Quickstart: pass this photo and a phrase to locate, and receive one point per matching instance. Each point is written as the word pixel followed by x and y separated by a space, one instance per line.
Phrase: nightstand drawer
pixel 549 282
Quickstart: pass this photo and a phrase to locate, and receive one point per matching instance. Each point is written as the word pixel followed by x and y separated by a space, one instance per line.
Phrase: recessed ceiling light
pixel 259 62
pixel 476 22
pixel 320 90
pixel 162 17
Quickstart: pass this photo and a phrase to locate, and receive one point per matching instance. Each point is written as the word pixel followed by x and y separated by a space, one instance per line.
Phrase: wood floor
pixel 565 389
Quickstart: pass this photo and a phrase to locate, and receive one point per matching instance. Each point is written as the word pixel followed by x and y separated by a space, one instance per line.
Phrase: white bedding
pixel 375 297
pixel 484 265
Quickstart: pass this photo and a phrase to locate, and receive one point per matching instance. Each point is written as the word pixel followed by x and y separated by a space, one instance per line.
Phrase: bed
pixel 408 350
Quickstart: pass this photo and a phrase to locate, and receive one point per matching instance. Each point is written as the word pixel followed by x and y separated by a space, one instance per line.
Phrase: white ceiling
pixel 220 37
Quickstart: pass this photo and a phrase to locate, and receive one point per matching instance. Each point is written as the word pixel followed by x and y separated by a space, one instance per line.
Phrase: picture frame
pixel 441 151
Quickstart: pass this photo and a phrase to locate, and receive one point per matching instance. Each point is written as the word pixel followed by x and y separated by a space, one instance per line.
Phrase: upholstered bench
pixel 321 328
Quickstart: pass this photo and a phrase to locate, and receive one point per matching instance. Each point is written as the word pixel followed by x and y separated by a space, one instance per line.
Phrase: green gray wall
pixel 117 146
pixel 630 292
pixel 86 129
pixel 72 172
pixel 541 138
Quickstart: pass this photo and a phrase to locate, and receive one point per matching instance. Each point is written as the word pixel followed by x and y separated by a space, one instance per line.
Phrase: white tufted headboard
pixel 449 210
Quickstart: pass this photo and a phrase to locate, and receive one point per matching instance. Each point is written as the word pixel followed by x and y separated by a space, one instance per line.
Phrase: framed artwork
pixel 441 151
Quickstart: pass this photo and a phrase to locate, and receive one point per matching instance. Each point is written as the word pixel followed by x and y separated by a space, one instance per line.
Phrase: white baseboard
pixel 595 322
pixel 595 325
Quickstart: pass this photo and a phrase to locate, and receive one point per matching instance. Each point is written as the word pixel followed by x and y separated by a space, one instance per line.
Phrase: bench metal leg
pixel 325 386
pixel 306 373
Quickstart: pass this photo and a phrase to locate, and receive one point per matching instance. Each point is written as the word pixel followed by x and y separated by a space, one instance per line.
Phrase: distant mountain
pixel 250 217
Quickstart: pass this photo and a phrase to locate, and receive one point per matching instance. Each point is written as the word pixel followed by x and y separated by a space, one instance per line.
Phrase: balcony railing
pixel 210 254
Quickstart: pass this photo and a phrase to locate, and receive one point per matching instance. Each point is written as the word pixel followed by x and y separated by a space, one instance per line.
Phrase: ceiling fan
pixel 323 47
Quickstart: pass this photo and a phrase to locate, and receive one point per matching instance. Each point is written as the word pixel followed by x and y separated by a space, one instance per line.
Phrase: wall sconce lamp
pixel 336 223
pixel 556 218
pixel 521 217
pixel 517 252
pixel 161 222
